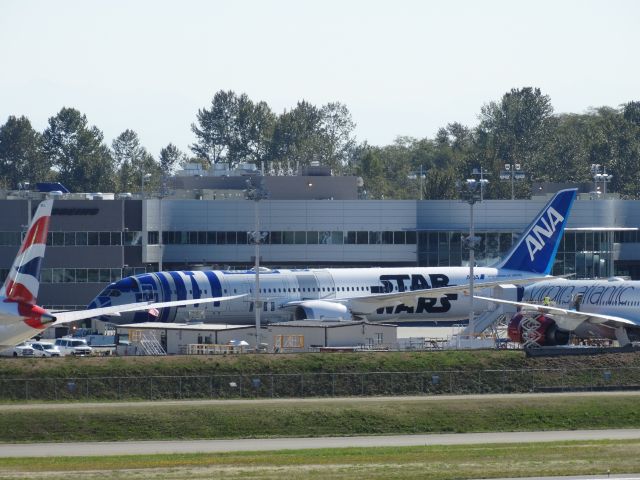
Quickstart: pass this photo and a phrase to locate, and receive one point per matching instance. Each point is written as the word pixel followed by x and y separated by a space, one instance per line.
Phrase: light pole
pixel 421 174
pixel 143 176
pixel 471 191
pixel 163 193
pixel 257 192
pixel 512 171
pixel 599 176
pixel 481 172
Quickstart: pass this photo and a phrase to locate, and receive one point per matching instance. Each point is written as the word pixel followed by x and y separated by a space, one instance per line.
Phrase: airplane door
pixel 325 281
pixel 308 284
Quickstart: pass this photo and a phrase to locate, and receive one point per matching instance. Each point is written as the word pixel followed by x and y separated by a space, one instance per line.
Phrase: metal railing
pixel 318 384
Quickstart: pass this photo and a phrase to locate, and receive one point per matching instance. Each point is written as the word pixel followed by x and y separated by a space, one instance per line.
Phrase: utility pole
pixel 471 192
pixel 512 172
pixel 257 192
pixel 603 177
pixel 421 178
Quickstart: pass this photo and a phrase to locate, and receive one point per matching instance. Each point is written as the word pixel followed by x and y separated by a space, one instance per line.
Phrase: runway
pixel 266 444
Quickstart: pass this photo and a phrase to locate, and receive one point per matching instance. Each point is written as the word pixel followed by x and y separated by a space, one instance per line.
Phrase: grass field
pixel 247 419
pixel 434 462
pixel 283 363
pixel 301 363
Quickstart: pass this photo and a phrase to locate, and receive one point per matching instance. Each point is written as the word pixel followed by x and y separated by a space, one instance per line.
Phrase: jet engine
pixel 538 329
pixel 321 310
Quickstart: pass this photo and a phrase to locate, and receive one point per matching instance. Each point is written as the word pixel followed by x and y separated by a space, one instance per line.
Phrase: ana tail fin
pixel 23 281
pixel 536 249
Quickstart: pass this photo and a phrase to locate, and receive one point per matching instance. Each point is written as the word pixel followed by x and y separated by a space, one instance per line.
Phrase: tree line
pixel 519 129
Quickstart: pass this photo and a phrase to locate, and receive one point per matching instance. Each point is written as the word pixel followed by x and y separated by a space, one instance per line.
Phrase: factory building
pixel 151 338
pixel 97 239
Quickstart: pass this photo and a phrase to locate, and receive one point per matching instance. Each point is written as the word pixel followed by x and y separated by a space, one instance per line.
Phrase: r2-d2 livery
pixel 404 294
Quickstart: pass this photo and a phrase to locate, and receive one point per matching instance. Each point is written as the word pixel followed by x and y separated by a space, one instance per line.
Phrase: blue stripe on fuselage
pixel 148 292
pixel 166 296
pixel 181 291
pixel 195 288
pixel 216 287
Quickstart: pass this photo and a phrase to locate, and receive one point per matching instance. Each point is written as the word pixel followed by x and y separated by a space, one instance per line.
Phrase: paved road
pixel 212 446
pixel 297 401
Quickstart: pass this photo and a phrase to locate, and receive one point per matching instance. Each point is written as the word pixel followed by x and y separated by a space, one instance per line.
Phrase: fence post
pixel 26 389
pixel 302 385
pixel 362 384
pixel 150 388
pixel 333 384
pixel 533 380
pixel 272 385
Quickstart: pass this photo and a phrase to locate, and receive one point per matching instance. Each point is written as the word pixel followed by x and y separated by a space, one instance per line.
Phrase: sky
pixel 402 67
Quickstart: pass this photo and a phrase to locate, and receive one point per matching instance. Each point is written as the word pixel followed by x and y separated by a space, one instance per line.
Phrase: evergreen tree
pixel 77 152
pixel 21 154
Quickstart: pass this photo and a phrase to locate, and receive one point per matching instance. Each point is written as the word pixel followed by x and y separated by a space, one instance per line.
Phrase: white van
pixel 73 346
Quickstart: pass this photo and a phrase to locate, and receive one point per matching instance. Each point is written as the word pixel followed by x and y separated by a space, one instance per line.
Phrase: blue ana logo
pixel 545 228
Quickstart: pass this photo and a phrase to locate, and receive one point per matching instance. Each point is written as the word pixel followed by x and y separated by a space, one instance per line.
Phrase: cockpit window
pixel 114 293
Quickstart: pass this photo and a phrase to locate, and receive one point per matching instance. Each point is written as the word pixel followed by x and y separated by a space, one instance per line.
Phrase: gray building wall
pixel 152 215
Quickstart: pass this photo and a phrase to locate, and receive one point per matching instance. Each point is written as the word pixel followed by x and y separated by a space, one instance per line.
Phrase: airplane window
pixel 225 290
pixel 235 290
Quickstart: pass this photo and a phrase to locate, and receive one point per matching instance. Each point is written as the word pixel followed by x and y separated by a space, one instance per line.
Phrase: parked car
pixel 73 346
pixel 23 349
pixel 45 349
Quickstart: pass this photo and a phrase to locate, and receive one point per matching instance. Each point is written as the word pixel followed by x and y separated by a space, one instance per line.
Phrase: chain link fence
pixel 318 384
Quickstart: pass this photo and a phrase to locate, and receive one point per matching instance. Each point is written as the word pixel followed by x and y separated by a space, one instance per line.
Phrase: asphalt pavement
pixel 266 444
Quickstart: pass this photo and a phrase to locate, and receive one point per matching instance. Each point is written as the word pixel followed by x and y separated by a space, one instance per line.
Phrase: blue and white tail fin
pixel 23 282
pixel 536 249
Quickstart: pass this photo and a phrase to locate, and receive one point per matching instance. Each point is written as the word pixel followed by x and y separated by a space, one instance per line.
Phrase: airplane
pixel 552 311
pixel 20 317
pixel 407 294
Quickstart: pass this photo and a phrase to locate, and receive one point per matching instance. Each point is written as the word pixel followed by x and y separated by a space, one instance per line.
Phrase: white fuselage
pixel 278 288
pixel 616 297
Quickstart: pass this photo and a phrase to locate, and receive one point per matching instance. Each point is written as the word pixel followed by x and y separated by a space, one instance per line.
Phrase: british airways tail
pixel 23 282
pixel 536 249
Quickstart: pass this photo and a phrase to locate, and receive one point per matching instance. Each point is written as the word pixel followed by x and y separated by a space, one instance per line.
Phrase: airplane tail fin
pixel 23 281
pixel 536 249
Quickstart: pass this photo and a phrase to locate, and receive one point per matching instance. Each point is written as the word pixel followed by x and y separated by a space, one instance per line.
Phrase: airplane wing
pixel 75 315
pixel 565 318
pixel 369 303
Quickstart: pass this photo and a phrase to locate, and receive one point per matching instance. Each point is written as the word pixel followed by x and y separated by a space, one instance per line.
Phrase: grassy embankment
pixel 435 462
pixel 277 364
pixel 302 363
pixel 193 420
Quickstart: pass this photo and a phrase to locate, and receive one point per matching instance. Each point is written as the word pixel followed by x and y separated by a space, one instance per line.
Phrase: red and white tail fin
pixel 23 281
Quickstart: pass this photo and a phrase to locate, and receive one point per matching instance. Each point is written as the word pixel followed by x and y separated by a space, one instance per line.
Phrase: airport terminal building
pixel 98 239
